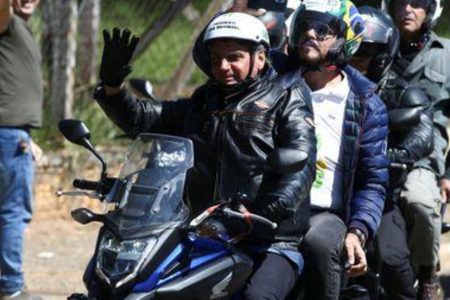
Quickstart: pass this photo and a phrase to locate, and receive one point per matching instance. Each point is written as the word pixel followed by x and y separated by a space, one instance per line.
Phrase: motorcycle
pixel 148 246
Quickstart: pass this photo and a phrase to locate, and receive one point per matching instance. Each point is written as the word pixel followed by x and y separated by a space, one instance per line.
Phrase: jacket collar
pixel 420 60
pixel 359 84
pixel 267 76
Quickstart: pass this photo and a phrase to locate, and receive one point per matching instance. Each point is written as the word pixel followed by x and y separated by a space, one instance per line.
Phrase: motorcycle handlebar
pixel 86 184
pixel 253 217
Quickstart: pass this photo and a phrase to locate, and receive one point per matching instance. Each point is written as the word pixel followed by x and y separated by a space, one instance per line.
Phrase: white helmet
pixel 239 26
pixel 233 26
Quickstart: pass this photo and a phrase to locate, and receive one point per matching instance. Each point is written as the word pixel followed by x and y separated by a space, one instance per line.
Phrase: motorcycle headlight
pixel 119 261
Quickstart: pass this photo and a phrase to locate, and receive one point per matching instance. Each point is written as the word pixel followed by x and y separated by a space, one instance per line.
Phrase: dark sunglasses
pixel 321 29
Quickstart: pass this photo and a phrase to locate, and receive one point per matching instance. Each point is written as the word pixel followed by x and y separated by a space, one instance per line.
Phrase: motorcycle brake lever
pixel 92 195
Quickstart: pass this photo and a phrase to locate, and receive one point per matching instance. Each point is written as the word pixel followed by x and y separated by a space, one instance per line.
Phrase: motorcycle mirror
pixel 77 132
pixel 85 216
pixel 142 87
pixel 284 160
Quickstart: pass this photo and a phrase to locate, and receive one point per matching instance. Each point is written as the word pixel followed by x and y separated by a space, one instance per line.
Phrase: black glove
pixel 397 155
pixel 270 208
pixel 116 57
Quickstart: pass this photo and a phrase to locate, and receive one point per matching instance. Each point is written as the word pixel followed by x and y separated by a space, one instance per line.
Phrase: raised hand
pixel 117 53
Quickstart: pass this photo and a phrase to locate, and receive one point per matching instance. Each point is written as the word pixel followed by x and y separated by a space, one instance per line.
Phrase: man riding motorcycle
pixel 423 62
pixel 348 195
pixel 237 121
pixel 410 139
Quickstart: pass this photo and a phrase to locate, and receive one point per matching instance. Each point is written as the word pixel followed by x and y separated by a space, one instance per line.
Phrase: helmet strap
pixel 248 81
pixel 335 55
pixel 253 50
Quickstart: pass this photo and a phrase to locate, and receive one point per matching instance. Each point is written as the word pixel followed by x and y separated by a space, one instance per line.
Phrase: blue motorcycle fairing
pixel 204 251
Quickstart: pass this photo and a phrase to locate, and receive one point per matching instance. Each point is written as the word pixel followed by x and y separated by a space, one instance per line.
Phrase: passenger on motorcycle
pixel 423 62
pixel 236 121
pixel 410 139
pixel 348 194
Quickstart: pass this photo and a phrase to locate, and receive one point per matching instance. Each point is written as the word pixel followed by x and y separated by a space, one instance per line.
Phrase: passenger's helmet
pixel 276 27
pixel 342 16
pixel 238 26
pixel 434 10
pixel 381 41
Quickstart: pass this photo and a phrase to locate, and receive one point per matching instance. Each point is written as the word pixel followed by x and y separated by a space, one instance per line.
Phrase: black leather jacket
pixel 232 138
pixel 411 127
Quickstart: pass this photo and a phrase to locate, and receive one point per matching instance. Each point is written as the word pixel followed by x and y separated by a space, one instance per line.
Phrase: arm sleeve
pixel 418 142
pixel 281 194
pixel 371 177
pixel 134 116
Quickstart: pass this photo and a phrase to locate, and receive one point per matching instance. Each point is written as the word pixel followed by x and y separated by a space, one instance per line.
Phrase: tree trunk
pixel 87 53
pixel 186 65
pixel 157 27
pixel 48 13
pixel 64 51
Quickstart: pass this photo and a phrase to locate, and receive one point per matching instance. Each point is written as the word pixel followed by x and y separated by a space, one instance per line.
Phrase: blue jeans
pixel 16 180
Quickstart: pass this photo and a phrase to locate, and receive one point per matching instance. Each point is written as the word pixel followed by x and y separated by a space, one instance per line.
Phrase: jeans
pixel 16 180
pixel 322 250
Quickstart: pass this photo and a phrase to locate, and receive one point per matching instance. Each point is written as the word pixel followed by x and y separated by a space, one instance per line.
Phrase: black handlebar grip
pixel 86 184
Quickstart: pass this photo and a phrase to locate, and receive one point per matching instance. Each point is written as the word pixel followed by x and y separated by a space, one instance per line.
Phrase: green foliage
pixel 157 63
pixel 197 78
pixel 103 130
pixel 443 26
pixel 47 137
pixel 162 57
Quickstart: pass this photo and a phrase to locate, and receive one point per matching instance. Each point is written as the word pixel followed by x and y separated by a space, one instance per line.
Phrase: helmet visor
pixel 370 50
pixel 377 32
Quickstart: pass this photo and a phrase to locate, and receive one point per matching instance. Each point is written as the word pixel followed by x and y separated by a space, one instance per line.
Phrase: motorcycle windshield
pixel 148 195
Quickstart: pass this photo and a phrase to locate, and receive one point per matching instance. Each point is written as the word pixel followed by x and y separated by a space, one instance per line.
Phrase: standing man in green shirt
pixel 20 111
